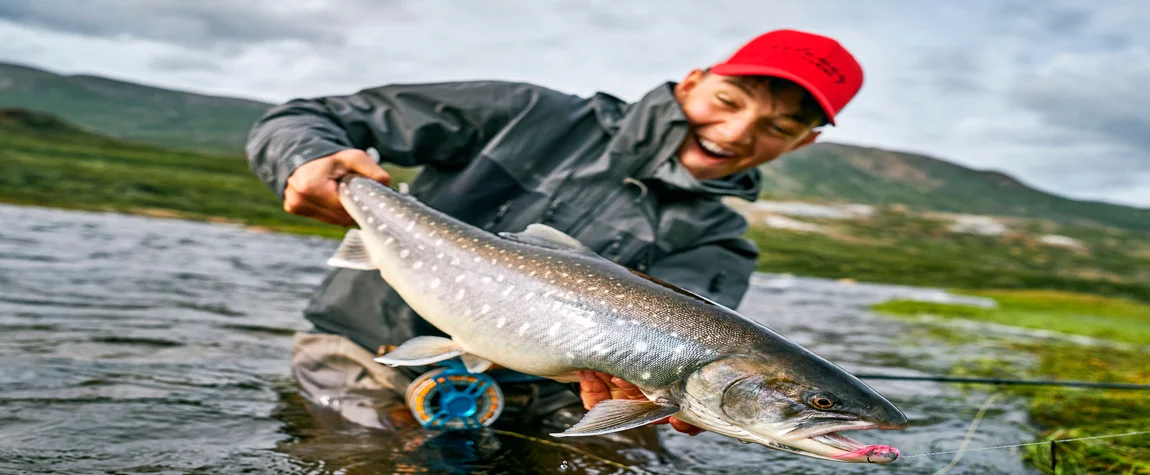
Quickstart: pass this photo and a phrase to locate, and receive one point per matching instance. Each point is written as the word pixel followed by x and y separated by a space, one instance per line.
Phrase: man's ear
pixel 688 83
pixel 809 139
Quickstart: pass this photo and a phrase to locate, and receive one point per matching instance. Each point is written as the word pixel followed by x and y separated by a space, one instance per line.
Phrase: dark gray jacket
pixel 502 155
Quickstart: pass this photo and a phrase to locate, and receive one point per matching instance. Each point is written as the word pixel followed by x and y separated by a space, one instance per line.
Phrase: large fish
pixel 541 303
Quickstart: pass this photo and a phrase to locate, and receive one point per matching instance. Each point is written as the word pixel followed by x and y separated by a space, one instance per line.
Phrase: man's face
pixel 737 125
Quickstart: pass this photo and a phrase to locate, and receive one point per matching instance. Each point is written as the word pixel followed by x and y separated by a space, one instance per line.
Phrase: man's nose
pixel 736 131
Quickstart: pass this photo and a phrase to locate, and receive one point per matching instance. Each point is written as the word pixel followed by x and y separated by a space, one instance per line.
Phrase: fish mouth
pixel 846 449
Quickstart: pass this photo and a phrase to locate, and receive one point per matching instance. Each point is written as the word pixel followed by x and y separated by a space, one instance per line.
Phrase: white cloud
pixel 1029 88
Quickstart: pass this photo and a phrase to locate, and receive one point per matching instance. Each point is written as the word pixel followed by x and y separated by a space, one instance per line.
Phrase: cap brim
pixel 758 70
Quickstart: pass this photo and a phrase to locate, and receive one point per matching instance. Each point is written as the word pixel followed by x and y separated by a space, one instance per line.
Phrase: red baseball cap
pixel 819 64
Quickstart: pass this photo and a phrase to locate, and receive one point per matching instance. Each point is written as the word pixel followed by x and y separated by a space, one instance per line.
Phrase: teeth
pixel 715 148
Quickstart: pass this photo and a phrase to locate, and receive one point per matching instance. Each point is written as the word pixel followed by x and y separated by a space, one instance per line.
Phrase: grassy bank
pixel 1064 413
pixel 86 172
pixel 901 247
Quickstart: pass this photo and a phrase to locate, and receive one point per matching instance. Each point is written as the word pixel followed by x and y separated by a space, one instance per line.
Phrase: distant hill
pixel 837 172
pixel 133 111
pixel 825 171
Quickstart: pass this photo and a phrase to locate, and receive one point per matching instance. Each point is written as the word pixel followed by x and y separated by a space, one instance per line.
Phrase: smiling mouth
pixel 713 149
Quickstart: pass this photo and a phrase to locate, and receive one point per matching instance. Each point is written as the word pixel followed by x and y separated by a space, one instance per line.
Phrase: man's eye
pixel 726 101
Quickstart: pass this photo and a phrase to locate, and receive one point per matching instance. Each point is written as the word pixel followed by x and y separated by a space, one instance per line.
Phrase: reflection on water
pixel 133 344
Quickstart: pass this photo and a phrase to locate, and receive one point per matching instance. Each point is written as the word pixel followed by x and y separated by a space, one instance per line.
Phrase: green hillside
pixel 836 172
pixel 132 111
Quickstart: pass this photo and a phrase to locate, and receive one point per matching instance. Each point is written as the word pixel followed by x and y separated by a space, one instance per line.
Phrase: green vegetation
pixel 1078 314
pixel 903 248
pixel 46 162
pixel 1067 413
pixel 132 111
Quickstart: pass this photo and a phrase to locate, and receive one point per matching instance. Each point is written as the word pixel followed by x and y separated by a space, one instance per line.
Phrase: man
pixel 639 183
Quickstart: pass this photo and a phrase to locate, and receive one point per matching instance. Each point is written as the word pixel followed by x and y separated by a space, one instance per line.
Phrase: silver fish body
pixel 540 303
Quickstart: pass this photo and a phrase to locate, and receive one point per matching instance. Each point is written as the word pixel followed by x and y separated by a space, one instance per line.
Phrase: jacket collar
pixel 651 131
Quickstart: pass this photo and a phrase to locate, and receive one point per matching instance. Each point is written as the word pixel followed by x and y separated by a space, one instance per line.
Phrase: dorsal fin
pixel 546 236
pixel 677 289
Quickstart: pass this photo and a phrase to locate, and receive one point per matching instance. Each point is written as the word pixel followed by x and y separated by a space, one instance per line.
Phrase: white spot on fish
pixel 417 265
pixel 410 226
pixel 570 354
pixel 533 273
pixel 477 258
pixel 679 369
pixel 509 289
pixel 466 312
pixel 459 295
pixel 494 261
pixel 529 296
pixel 679 349
pixel 502 321
pixel 641 346
pixel 484 309
pixel 438 242
pixel 420 247
pixel 523 329
pixel 592 289
pixel 440 256
pixel 634 322
pixel 674 335
pixel 435 282
pixel 370 220
pixel 459 278
pixel 382 227
pixel 389 240
pixel 645 375
pixel 486 279
pixel 554 330
pixel 499 278
pixel 404 253
pixel 434 268
pixel 455 261
pixel 620 321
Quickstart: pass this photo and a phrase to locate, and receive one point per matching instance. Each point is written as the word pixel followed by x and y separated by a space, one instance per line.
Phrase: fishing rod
pixel 1007 382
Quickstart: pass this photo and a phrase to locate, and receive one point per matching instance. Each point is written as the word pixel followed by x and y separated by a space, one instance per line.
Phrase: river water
pixel 140 345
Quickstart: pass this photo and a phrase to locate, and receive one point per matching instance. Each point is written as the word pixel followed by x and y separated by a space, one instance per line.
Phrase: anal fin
pixel 614 415
pixel 421 350
pixel 475 364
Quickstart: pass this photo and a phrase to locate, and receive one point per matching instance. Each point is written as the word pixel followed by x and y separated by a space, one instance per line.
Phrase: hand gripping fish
pixel 541 303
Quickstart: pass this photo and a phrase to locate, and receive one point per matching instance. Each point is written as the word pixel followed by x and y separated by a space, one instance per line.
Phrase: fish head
pixel 796 406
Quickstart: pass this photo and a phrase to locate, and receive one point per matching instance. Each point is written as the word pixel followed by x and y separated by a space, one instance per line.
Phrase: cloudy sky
pixel 1056 93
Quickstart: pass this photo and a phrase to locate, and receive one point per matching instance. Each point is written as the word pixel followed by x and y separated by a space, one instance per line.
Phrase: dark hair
pixel 810 112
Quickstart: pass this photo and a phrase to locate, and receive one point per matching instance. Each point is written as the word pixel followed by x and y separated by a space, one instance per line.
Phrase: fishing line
pixel 1106 436
pixel 1007 382
pixel 969 434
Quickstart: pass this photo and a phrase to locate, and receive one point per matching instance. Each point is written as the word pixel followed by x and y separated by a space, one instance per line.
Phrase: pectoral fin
pixel 352 253
pixel 614 415
pixel 421 350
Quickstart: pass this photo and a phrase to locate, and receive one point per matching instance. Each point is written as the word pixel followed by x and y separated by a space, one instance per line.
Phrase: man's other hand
pixel 312 188
pixel 595 386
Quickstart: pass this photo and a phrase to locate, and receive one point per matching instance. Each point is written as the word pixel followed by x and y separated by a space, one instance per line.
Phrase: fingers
pixel 630 391
pixel 297 203
pixel 685 427
pixel 592 389
pixel 360 162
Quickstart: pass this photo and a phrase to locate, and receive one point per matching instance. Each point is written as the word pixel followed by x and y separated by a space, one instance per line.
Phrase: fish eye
pixel 818 401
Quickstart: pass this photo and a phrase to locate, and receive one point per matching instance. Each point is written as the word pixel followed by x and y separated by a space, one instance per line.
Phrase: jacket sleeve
pixel 718 269
pixel 436 124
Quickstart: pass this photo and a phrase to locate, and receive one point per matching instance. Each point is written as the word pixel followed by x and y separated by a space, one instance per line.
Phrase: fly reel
pixel 452 398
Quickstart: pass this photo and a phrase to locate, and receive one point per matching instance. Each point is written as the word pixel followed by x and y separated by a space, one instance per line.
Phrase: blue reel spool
pixel 452 398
